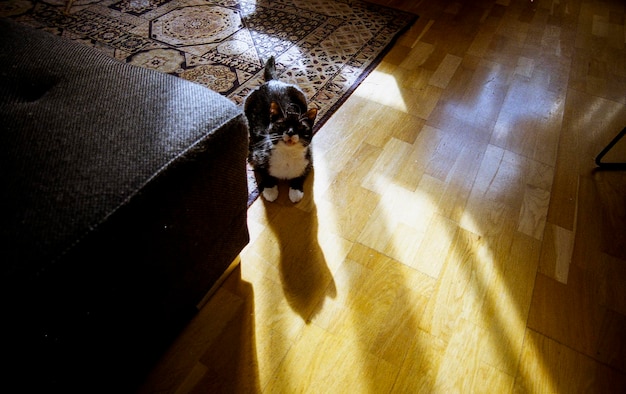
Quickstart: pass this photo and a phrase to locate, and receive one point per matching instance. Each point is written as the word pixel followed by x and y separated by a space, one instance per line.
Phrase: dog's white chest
pixel 288 162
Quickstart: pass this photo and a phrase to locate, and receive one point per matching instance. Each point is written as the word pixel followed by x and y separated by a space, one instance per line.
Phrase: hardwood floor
pixel 454 236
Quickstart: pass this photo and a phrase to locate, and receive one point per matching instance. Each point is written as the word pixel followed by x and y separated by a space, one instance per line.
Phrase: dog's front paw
pixel 271 194
pixel 295 195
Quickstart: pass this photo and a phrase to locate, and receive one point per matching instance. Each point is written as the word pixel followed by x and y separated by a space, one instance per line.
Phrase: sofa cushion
pixel 85 134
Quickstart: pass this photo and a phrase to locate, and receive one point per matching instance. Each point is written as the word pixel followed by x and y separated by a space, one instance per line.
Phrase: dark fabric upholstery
pixel 124 199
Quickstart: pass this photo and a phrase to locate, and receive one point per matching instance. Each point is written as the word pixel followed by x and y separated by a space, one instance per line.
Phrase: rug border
pixel 368 70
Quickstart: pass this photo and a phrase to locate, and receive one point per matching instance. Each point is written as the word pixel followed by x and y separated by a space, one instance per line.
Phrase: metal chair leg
pixel 614 166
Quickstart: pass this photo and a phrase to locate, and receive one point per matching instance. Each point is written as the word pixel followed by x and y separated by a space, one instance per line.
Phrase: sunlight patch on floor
pixel 499 312
pixel 383 89
pixel 406 226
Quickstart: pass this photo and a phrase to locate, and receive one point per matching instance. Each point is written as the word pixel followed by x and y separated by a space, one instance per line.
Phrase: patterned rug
pixel 327 47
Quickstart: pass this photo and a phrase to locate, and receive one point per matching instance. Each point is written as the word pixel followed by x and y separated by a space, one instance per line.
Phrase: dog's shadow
pixel 304 273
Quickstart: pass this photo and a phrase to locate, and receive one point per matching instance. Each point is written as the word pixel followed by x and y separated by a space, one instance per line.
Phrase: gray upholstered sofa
pixel 124 199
